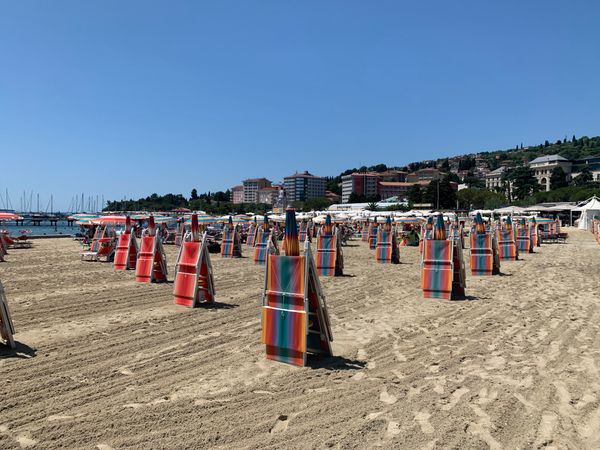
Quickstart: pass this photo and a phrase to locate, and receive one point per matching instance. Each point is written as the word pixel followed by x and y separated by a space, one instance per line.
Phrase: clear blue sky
pixel 126 98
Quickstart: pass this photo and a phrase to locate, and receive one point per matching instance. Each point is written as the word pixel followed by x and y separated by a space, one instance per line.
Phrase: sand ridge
pixel 105 363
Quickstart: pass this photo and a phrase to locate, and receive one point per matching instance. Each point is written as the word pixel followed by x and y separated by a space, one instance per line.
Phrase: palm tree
pixel 371 206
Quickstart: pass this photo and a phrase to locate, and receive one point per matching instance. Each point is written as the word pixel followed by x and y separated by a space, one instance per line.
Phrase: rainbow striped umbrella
pixel 292 244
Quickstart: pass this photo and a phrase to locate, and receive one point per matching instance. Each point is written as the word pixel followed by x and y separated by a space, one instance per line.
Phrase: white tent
pixel 588 211
pixel 510 210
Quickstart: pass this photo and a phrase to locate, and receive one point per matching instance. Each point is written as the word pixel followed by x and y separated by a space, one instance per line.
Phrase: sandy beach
pixel 104 362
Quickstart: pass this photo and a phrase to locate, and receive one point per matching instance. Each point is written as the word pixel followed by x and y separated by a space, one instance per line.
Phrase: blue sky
pixel 127 98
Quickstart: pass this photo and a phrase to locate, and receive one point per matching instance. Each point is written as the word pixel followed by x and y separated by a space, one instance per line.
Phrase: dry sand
pixel 105 363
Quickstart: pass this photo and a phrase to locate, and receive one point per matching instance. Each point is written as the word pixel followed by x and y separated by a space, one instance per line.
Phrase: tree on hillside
pixel 472 181
pixel 221 196
pixel 194 194
pixel 523 182
pixel 558 178
pixel 585 177
pixel 440 194
pixel 415 194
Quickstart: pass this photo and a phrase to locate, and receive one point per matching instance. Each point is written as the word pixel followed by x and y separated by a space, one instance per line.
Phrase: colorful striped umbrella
pixel 291 244
pixel 110 220
pixel 439 229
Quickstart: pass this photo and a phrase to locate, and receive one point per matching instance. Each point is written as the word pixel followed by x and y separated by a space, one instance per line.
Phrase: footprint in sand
pixel 25 441
pixel 104 447
pixel 393 429
pixel 281 425
pixel 545 432
pixel 387 398
pixel 422 418
pixel 358 376
pixel 455 398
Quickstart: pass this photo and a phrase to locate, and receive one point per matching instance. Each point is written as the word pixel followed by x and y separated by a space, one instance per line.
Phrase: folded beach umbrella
pixel 439 229
pixel 291 243
pixel 388 224
pixel 429 223
pixel 479 225
pixel 328 228
pixel 508 224
pixel 195 228
pixel 266 222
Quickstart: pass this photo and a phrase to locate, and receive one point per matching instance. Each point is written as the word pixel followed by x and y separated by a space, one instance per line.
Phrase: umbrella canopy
pixel 82 216
pixel 510 210
pixel 9 216
pixel 204 220
pixel 110 220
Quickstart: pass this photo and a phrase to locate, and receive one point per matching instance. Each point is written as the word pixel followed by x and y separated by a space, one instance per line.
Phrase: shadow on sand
pixel 20 351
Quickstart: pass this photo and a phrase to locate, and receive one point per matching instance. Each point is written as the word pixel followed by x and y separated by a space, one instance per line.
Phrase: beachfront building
pixel 399 189
pixel 427 174
pixel 363 184
pixel 304 185
pixel 493 179
pixel 591 163
pixel 251 188
pixel 269 194
pixel 543 166
pixel 237 194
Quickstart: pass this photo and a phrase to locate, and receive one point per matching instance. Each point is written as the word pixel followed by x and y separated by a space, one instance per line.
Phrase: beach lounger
pixel 373 230
pixel 231 246
pixel 329 259
pixel 295 321
pixel 387 250
pixel 22 241
pixel 485 259
pixel 151 265
pixel 265 245
pixel 441 273
pixel 127 251
pixel 7 329
pixel 507 246
pixel 251 238
pixel 194 282
pixel 364 236
pixel 524 240
pixel 92 253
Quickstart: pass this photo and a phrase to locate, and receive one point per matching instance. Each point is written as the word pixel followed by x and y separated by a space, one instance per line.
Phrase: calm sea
pixel 43 230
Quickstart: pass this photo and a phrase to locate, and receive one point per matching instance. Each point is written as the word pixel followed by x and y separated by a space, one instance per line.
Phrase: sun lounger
pixel 295 321
pixel 194 282
pixel 151 265
pixel 7 329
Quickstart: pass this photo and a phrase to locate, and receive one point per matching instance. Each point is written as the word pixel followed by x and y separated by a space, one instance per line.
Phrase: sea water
pixel 42 230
